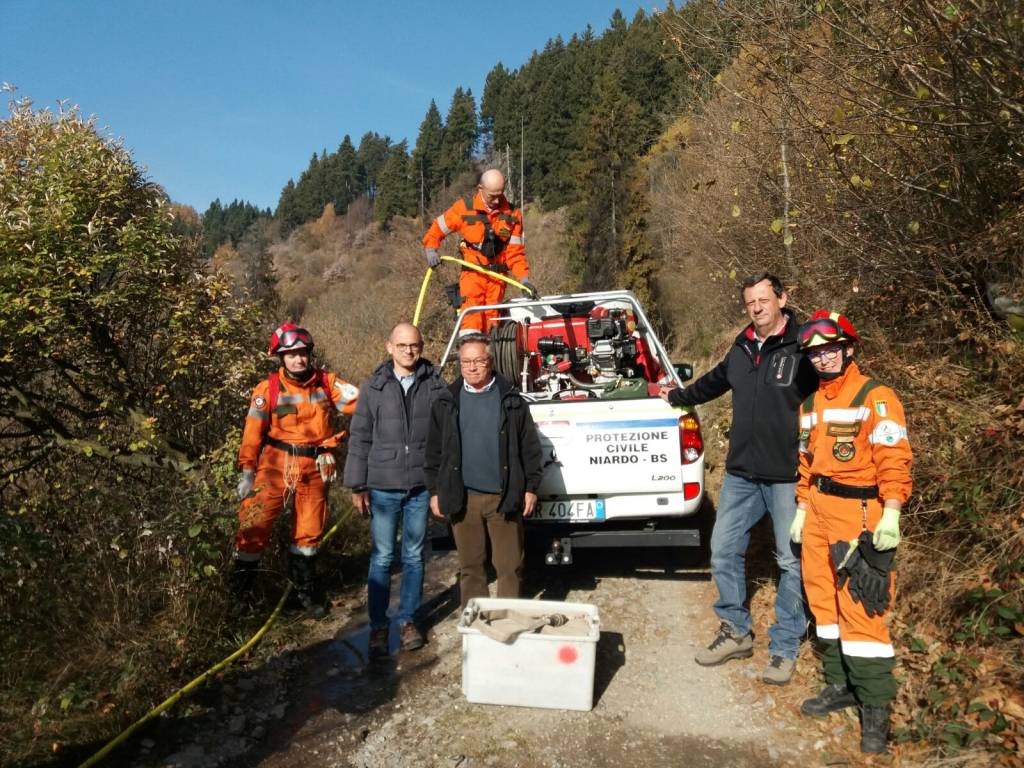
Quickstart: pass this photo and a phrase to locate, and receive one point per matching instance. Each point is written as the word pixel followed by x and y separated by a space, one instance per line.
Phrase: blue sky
pixel 229 99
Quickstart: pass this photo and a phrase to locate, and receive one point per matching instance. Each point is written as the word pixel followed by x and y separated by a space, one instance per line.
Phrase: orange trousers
pixel 477 290
pixel 257 514
pixel 831 519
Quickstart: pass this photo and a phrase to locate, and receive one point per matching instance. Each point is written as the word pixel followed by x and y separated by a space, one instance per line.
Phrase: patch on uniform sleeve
pixel 888 432
pixel 348 391
pixel 259 402
pixel 881 408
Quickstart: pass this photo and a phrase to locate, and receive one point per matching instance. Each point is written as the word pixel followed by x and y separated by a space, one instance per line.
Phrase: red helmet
pixel 824 327
pixel 290 337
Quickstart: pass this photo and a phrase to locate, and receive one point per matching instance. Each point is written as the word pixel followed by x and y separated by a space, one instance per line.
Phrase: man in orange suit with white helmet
pixel 287 455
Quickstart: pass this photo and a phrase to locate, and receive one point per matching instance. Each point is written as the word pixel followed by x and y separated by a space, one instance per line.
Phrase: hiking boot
pixel 242 579
pixel 874 729
pixel 831 699
pixel 302 572
pixel 410 638
pixel 779 670
pixel 379 643
pixel 726 646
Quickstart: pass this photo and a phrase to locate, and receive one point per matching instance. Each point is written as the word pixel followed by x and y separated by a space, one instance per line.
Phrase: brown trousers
pixel 482 520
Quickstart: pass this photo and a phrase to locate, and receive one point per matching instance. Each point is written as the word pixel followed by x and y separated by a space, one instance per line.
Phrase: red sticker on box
pixel 567 654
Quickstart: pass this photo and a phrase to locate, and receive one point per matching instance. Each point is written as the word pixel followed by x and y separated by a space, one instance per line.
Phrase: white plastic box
pixel 535 670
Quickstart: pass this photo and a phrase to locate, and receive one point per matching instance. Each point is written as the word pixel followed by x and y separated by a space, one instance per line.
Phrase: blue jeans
pixel 741 505
pixel 386 507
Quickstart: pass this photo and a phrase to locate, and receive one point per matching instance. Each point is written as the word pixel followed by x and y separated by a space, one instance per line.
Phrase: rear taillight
pixel 691 444
pixel 691 490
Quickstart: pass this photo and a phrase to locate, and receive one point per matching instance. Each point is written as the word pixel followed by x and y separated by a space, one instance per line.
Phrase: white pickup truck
pixel 622 468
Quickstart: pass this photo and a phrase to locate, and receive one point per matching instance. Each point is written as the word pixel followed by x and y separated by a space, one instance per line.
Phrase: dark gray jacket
pixel 518 446
pixel 389 430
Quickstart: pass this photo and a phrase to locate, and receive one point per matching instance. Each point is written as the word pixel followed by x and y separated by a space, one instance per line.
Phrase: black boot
pixel 242 579
pixel 831 699
pixel 302 572
pixel 874 729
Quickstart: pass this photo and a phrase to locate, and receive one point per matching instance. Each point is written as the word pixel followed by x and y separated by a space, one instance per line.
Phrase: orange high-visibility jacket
pixel 301 415
pixel 468 217
pixel 855 443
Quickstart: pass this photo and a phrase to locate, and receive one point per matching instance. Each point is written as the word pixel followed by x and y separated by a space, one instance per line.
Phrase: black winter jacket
pixel 388 433
pixel 519 450
pixel 768 387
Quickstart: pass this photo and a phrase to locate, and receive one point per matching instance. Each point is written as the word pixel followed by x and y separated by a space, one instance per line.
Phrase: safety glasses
pixel 826 329
pixel 288 338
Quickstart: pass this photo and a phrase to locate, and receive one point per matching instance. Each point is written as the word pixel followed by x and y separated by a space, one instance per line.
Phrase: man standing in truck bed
pixel 492 238
pixel 769 378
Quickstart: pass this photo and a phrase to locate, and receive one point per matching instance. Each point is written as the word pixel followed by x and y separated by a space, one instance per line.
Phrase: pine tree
pixel 426 157
pixel 396 189
pixel 461 134
pixel 371 156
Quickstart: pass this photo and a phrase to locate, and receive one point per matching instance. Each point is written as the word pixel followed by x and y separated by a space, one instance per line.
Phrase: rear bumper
pixel 560 539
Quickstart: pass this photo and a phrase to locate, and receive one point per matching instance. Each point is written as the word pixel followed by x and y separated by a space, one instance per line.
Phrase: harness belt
pixel 829 486
pixel 307 451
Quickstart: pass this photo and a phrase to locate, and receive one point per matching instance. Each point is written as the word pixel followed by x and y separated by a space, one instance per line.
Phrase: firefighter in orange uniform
pixel 854 478
pixel 492 237
pixel 286 454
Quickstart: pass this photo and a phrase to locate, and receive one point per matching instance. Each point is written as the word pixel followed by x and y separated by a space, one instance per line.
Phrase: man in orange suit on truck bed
pixel 492 238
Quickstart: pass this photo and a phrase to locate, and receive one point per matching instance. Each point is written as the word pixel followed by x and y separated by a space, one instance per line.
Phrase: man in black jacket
pixel 384 469
pixel 482 469
pixel 769 379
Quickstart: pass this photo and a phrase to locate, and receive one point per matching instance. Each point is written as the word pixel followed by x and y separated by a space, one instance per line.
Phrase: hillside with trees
pixel 869 155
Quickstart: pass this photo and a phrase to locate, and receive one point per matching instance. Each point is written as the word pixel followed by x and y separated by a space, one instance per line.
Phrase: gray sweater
pixel 479 420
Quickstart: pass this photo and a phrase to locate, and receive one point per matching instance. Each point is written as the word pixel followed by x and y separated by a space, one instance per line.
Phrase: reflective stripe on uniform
pixel 284 399
pixel 441 224
pixel 808 420
pixel 297 550
pixel 867 649
pixel 256 413
pixel 827 631
pixel 845 414
pixel 316 397
pixel 516 240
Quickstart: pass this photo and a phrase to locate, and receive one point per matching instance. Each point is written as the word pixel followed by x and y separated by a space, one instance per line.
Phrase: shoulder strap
pixel 862 395
pixel 807 407
pixel 274 383
pixel 323 383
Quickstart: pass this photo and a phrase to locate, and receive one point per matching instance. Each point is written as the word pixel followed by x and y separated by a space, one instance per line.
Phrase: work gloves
pixel 328 467
pixel 887 532
pixel 433 257
pixel 866 569
pixel 530 288
pixel 246 483
pixel 796 530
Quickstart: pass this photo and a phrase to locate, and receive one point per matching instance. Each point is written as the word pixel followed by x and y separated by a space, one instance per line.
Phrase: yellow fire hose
pixel 172 700
pixel 467 265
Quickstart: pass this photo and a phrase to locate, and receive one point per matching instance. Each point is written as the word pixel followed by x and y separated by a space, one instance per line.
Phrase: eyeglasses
pixel 824 353
pixel 478 362
pixel 409 347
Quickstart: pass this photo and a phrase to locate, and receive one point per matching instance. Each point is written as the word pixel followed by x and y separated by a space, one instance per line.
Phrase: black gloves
pixel 530 288
pixel 867 570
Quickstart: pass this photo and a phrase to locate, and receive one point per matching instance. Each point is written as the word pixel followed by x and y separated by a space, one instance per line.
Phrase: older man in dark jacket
pixel 482 470
pixel 384 469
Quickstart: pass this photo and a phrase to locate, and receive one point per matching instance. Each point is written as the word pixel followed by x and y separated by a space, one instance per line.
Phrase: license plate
pixel 569 511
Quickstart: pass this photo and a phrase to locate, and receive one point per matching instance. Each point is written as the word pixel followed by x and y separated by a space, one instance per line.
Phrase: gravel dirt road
pixel 320 703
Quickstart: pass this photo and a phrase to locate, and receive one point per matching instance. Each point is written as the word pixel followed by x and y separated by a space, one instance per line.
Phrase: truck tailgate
pixel 608 447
